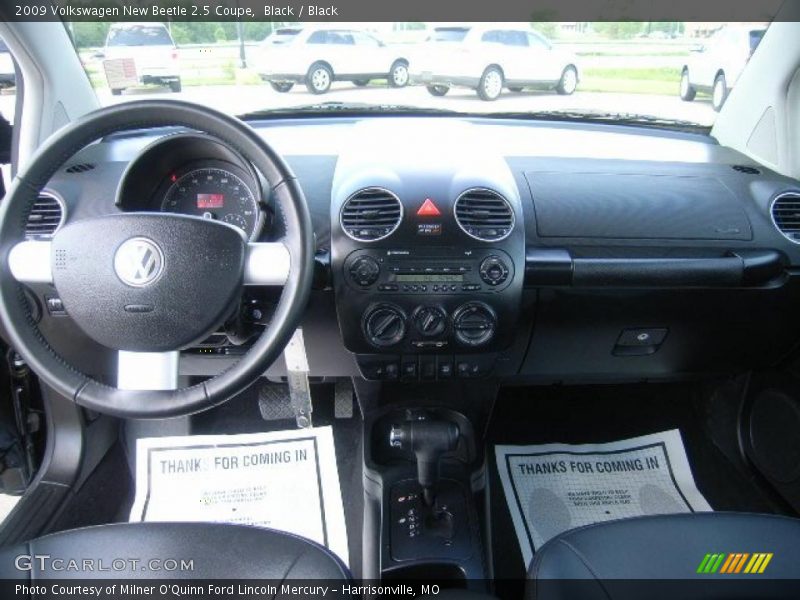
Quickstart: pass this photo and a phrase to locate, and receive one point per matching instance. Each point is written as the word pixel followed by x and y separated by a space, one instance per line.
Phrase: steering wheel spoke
pixel 266 264
pixel 147 370
pixel 30 262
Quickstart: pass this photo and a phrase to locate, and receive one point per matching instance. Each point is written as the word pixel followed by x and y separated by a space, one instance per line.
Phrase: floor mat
pixel 551 488
pixel 598 414
pixel 241 415
pixel 284 480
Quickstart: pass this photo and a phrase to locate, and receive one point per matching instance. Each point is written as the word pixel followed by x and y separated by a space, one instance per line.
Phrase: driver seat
pixel 217 551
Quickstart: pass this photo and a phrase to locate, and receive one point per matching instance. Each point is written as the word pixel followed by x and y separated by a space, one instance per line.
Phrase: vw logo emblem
pixel 138 262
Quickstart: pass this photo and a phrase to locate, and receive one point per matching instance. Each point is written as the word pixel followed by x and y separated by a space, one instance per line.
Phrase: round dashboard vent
pixel 484 215
pixel 786 215
pixel 371 214
pixel 46 216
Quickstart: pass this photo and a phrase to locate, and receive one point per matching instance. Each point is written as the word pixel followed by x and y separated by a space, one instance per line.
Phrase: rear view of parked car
pixel 144 52
pixel 715 67
pixel 318 56
pixel 489 59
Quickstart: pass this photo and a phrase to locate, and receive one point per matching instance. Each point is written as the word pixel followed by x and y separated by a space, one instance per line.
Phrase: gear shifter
pixel 428 440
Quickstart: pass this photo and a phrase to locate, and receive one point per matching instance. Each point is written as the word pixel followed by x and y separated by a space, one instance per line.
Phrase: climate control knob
pixel 430 321
pixel 365 270
pixel 384 325
pixel 474 323
pixel 493 270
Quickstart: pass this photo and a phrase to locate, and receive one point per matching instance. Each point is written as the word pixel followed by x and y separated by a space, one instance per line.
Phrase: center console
pixel 423 497
pixel 427 261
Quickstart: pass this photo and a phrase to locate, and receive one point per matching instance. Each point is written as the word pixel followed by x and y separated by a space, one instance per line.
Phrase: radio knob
pixel 384 325
pixel 493 270
pixel 474 323
pixel 430 320
pixel 365 270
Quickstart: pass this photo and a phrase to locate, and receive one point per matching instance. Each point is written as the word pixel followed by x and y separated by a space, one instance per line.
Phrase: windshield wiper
pixel 346 109
pixel 616 118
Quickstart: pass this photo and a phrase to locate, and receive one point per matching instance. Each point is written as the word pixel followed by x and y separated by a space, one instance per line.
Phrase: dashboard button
pixel 427 367
pixel 445 368
pixel 409 368
pixel 390 371
pixel 493 270
pixel 365 271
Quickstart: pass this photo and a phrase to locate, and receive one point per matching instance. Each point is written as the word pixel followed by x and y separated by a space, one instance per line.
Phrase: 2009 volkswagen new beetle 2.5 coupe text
pixel 394 340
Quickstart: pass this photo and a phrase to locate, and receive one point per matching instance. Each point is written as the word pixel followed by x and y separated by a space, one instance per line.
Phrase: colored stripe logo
pixel 734 562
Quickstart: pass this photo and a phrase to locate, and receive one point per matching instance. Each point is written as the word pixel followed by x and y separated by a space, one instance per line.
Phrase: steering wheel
pixel 151 284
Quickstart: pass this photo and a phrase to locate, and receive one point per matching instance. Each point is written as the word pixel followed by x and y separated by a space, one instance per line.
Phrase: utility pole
pixel 240 34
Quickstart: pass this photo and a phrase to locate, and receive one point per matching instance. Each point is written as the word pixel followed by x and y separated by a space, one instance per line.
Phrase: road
pixel 248 98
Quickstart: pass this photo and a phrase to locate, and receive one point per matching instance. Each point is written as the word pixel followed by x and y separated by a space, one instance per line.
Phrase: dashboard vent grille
pixel 484 215
pixel 45 217
pixel 371 214
pixel 79 168
pixel 786 215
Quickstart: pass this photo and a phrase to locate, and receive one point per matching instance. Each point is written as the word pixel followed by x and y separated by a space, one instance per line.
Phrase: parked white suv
pixel 152 50
pixel 715 66
pixel 488 58
pixel 319 55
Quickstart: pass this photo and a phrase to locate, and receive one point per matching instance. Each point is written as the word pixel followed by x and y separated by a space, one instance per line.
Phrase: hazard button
pixel 428 209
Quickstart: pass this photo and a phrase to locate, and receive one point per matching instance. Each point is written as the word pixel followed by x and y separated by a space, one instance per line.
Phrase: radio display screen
pixel 429 278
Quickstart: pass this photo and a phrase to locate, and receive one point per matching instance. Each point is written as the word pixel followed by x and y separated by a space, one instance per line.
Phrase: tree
pixel 547 28
pixel 90 34
pixel 618 30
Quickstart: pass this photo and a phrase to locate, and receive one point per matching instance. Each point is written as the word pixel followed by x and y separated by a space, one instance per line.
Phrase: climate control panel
pixel 428 301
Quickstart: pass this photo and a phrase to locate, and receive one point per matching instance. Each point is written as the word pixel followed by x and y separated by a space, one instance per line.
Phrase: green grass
pixel 660 80
pixel 649 73
pixel 622 86
pixel 632 53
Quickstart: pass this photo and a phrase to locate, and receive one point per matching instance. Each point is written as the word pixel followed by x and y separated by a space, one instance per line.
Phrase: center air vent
pixel 371 214
pixel 484 215
pixel 45 217
pixel 786 215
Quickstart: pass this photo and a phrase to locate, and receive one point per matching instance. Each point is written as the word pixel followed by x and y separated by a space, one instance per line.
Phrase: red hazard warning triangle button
pixel 428 209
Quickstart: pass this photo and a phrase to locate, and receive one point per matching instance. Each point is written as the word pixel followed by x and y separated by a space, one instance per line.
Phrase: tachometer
pixel 213 193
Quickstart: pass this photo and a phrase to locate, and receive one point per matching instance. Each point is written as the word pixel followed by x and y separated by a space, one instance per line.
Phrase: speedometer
pixel 213 193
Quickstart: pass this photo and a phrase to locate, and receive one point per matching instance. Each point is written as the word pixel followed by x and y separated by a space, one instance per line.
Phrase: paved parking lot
pixel 247 98
pixel 242 99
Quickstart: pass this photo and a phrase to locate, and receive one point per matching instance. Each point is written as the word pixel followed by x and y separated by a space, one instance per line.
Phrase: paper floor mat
pixel 284 480
pixel 551 488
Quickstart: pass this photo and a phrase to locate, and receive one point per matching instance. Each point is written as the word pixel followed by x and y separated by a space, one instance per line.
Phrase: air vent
pixel 747 170
pixel 786 215
pixel 484 215
pixel 371 214
pixel 79 168
pixel 45 217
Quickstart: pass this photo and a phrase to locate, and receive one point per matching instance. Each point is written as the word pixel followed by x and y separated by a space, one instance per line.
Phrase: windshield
pixel 669 74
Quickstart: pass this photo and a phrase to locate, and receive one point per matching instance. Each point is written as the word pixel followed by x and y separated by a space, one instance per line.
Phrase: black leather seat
pixel 622 559
pixel 217 551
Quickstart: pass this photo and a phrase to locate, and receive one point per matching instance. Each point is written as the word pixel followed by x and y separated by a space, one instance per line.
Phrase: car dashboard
pixel 476 247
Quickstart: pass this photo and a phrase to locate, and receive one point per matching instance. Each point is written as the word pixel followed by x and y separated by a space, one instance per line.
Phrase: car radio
pixel 432 271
